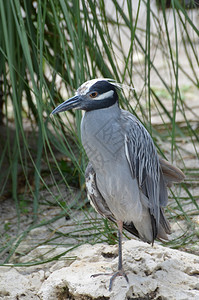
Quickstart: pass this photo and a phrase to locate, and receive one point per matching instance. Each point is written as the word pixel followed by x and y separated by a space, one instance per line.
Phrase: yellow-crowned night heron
pixel 126 180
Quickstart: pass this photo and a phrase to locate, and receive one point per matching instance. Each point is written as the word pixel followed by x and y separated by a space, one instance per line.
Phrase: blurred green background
pixel 47 49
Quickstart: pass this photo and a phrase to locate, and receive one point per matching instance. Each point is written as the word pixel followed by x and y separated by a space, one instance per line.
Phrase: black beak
pixel 74 102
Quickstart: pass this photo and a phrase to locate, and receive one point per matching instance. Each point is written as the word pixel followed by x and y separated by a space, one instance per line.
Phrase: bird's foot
pixel 118 273
pixel 113 276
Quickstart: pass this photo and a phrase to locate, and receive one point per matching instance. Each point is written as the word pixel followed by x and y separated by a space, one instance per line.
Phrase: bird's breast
pixel 120 191
pixel 102 139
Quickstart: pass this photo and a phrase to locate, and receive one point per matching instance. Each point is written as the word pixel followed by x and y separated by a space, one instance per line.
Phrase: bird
pixel 126 179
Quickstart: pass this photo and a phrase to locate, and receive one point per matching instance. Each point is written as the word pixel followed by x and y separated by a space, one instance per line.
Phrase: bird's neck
pixel 100 133
pixel 103 114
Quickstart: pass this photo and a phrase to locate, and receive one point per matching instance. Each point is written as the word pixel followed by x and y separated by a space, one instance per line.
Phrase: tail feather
pixel 164 227
pixel 171 174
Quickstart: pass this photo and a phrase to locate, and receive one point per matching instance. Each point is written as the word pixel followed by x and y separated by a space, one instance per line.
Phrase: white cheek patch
pixel 108 94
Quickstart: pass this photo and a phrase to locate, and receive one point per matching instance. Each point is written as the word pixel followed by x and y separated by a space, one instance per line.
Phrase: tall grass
pixel 47 49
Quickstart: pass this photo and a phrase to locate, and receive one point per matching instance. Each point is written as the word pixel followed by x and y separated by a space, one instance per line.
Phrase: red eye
pixel 93 95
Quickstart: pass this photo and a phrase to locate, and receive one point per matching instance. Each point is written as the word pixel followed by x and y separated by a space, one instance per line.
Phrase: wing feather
pixel 144 164
pixel 94 195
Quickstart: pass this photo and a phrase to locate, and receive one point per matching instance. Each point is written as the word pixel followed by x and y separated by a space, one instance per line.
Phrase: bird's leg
pixel 120 227
pixel 120 271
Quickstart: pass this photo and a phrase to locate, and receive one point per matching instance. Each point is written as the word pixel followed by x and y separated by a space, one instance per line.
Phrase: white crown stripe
pixel 85 87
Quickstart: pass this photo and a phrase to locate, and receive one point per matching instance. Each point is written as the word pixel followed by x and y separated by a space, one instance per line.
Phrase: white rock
pixel 154 273
pixel 14 285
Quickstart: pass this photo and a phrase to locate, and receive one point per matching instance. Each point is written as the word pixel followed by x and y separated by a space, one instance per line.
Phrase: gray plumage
pixel 128 174
pixel 126 180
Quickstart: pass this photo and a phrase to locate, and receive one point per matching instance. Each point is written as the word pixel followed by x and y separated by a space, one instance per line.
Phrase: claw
pixel 118 273
pixel 113 276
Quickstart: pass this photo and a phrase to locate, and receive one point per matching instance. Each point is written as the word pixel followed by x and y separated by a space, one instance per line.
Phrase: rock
pixel 14 285
pixel 154 273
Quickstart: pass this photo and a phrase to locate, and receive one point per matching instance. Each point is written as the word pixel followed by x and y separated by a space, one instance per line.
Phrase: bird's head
pixel 91 95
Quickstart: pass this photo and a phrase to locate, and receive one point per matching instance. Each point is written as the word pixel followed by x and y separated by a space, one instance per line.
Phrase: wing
pixel 98 202
pixel 144 163
pixel 94 195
